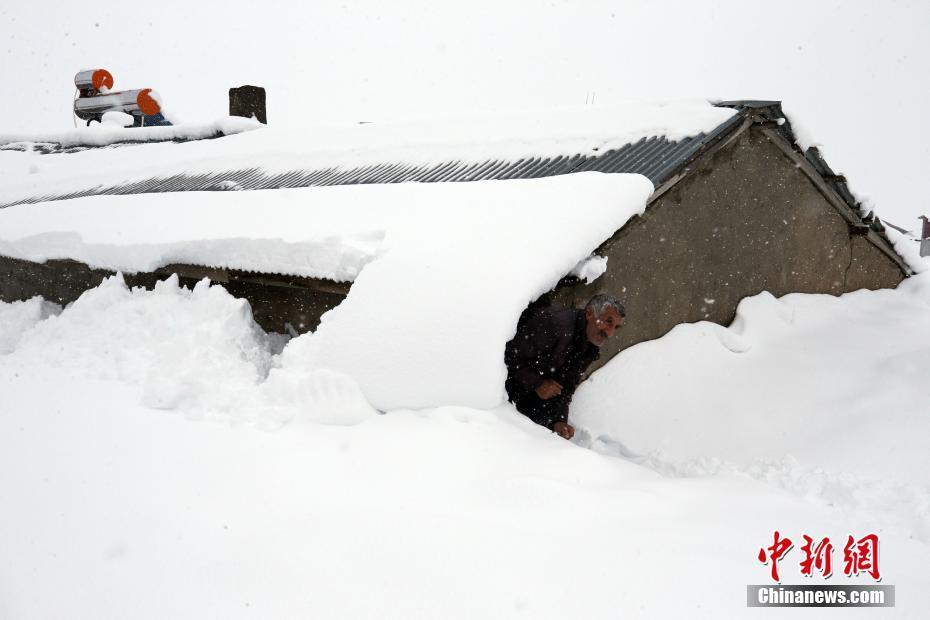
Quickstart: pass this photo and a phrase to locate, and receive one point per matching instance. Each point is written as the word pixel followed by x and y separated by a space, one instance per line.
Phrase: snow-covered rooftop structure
pixel 726 205
pixel 654 140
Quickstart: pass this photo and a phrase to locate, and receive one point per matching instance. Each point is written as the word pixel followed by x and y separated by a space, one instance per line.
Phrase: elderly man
pixel 549 354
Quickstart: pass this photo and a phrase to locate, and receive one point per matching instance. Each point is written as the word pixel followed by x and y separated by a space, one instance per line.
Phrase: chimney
pixel 248 101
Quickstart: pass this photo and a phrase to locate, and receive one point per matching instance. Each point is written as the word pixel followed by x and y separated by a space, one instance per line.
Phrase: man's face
pixel 601 327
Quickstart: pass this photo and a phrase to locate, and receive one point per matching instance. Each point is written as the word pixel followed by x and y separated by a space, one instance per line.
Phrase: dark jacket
pixel 549 344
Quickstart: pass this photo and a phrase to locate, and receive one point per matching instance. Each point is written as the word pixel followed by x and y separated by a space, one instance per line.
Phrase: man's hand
pixel 548 389
pixel 563 429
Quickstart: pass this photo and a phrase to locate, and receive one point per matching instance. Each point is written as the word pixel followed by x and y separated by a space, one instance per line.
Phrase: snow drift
pixel 823 396
pixel 193 349
pixel 426 323
pixel 113 503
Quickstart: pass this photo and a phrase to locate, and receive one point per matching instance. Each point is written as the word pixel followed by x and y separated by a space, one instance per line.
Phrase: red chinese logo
pixel 859 556
pixel 779 548
pixel 819 557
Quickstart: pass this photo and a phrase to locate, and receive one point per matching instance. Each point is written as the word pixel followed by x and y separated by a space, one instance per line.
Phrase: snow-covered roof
pixel 646 138
pixel 657 140
pixel 320 232
pixel 111 135
pixel 457 262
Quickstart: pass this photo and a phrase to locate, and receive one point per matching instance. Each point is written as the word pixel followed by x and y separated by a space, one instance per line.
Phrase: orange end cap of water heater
pixel 147 102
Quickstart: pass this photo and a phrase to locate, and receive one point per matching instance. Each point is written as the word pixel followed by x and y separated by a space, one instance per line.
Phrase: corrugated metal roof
pixel 656 158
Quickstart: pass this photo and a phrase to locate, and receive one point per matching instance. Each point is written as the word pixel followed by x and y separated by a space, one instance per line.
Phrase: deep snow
pixel 826 397
pixel 238 497
pixel 258 488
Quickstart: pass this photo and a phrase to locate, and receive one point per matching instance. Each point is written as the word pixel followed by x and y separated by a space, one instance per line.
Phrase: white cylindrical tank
pixel 135 102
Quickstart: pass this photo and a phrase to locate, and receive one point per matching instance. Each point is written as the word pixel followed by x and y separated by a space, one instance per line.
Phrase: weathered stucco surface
pixel 746 221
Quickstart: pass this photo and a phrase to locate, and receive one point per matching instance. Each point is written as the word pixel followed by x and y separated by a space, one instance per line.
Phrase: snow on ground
pixel 166 458
pixel 509 136
pixel 18 317
pixel 824 396
pixel 225 508
pixel 216 351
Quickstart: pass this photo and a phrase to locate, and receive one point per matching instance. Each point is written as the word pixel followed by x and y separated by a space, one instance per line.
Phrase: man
pixel 549 353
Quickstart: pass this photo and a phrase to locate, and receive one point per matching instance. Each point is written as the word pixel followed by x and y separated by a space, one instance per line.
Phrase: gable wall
pixel 746 220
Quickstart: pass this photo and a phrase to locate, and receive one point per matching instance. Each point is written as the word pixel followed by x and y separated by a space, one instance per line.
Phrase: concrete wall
pixel 746 221
pixel 275 301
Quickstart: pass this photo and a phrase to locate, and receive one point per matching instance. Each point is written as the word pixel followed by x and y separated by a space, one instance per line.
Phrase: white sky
pixel 852 74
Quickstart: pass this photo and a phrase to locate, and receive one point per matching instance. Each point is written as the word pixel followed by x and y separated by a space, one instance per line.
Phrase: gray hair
pixel 601 302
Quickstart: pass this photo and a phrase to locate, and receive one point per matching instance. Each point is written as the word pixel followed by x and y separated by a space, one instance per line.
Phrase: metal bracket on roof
pixel 763 113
